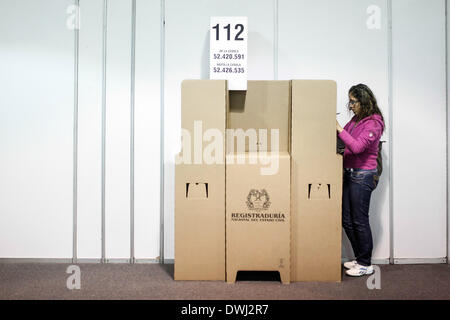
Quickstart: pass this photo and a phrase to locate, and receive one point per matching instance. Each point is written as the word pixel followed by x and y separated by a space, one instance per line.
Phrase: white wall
pixel 89 221
pixel 419 129
pixel 328 39
pixel 187 57
pixel 316 39
pixel 36 129
pixel 448 138
pixel 147 130
pixel 118 90
pixel 37 60
pixel 118 126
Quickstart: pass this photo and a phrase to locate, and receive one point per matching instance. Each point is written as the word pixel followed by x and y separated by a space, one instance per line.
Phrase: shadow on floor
pixel 241 275
pixel 258 276
pixel 169 269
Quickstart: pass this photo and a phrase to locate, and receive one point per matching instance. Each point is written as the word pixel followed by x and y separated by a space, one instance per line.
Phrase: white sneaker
pixel 359 270
pixel 350 264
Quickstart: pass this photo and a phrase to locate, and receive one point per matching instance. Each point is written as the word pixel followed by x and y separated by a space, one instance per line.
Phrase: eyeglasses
pixel 351 103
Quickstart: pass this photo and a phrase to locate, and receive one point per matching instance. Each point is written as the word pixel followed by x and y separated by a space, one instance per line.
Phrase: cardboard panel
pixel 205 101
pixel 265 105
pixel 315 124
pixel 200 188
pixel 200 223
pixel 258 216
pixel 316 185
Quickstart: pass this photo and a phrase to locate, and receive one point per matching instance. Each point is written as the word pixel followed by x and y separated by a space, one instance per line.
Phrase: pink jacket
pixel 361 142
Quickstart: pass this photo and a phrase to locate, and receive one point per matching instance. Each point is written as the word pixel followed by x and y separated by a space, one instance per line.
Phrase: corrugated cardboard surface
pixel 265 105
pixel 200 189
pixel 204 101
pixel 258 244
pixel 316 186
pixel 200 223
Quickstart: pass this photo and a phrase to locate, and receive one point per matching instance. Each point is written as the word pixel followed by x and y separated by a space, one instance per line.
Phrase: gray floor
pixel 154 281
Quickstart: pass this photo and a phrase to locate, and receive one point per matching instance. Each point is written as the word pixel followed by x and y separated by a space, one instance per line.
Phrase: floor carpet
pixel 155 281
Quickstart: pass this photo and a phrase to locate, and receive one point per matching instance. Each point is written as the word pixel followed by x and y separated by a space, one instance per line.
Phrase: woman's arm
pixel 371 133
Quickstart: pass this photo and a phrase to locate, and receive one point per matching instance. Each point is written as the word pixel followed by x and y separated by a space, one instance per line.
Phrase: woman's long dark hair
pixel 367 101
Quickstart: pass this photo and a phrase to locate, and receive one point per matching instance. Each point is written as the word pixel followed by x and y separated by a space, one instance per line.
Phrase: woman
pixel 361 137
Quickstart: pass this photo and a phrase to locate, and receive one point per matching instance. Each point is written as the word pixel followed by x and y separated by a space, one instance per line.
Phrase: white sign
pixel 228 51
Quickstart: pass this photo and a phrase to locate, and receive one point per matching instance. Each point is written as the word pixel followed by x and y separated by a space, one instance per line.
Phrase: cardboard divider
pixel 264 107
pixel 199 186
pixel 316 220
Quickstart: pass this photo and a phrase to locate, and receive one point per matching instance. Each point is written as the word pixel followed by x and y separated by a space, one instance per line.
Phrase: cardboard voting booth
pixel 258 181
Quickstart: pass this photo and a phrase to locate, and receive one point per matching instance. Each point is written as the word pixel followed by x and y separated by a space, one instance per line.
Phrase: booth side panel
pixel 316 191
pixel 200 182
pixel 199 222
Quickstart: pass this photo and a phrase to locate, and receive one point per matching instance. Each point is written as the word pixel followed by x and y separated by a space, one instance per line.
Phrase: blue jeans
pixel 357 189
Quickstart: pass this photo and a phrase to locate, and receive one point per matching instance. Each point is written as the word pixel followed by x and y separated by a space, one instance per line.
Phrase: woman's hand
pixel 338 127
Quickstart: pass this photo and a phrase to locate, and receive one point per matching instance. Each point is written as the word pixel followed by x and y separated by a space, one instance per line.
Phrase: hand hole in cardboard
pixel 197 190
pixel 319 191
